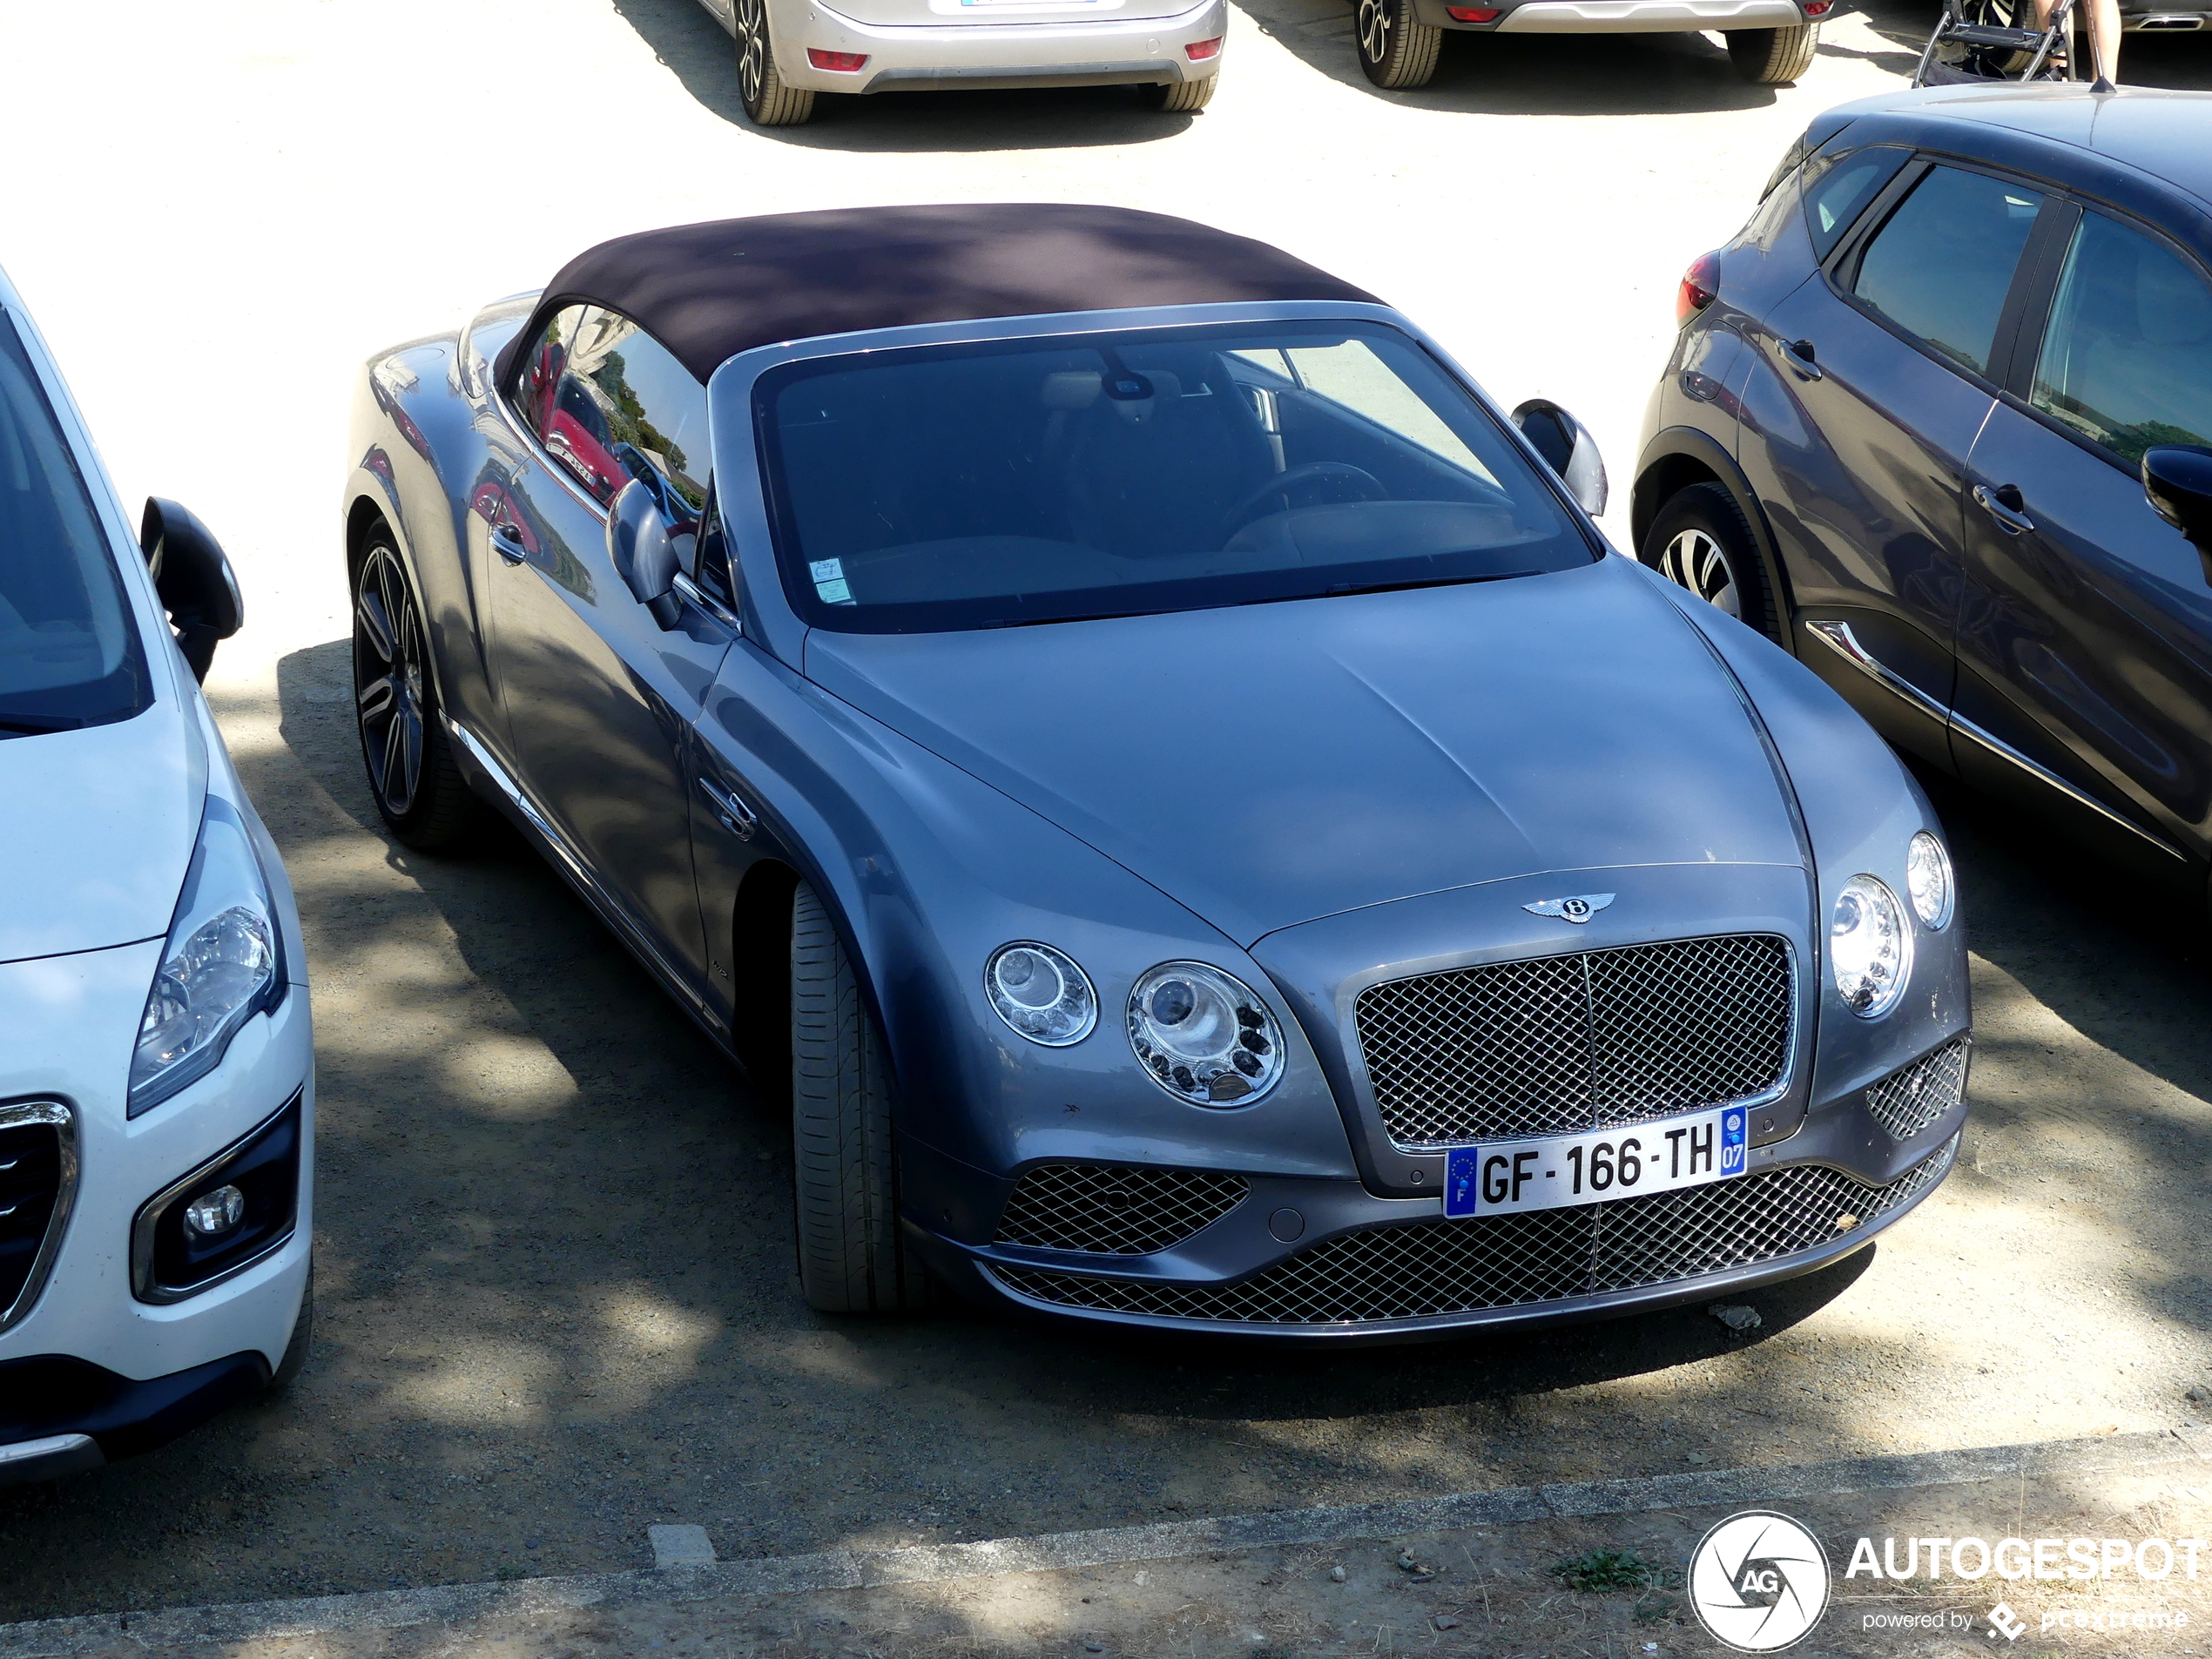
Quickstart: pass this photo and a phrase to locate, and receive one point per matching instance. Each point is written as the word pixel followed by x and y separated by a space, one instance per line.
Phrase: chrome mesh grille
pixel 1554 1044
pixel 30 1190
pixel 1123 1211
pixel 1907 1101
pixel 1426 1268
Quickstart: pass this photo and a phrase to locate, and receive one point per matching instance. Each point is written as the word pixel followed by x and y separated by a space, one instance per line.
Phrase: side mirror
pixel 643 551
pixel 2177 481
pixel 1565 444
pixel 197 587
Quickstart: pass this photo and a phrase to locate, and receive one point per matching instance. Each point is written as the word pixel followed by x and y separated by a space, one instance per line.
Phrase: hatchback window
pixel 69 654
pixel 1941 266
pixel 2127 361
pixel 982 485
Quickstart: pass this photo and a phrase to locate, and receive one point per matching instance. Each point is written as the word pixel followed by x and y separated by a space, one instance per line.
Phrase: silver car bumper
pixel 1646 17
pixel 972 56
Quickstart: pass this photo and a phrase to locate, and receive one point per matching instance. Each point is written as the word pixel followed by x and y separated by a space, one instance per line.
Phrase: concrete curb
pixel 858 1570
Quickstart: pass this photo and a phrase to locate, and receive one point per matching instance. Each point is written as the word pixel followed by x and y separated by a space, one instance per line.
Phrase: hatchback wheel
pixel 1396 50
pixel 852 1259
pixel 420 792
pixel 768 101
pixel 1182 96
pixel 1773 57
pixel 1701 541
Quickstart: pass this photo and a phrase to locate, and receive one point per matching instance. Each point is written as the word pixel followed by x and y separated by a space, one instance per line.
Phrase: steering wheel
pixel 1247 506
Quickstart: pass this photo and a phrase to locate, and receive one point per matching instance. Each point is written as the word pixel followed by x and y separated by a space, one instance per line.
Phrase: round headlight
pixel 1041 992
pixel 1203 1036
pixel 1869 947
pixel 1927 877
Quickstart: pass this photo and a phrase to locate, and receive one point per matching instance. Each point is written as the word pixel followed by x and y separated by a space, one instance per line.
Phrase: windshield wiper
pixel 15 726
pixel 1335 589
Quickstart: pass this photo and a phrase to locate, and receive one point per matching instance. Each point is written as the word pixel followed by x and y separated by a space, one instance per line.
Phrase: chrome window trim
pixel 24 1114
pixel 707 603
pixel 143 1286
pixel 1838 637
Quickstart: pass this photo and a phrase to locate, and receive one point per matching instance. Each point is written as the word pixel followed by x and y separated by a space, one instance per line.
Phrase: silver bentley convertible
pixel 1164 776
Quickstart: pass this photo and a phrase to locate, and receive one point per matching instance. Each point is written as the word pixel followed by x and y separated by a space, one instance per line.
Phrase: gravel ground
pixel 557 1303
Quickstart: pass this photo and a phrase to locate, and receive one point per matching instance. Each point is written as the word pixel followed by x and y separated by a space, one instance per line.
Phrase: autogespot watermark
pixel 1760 1581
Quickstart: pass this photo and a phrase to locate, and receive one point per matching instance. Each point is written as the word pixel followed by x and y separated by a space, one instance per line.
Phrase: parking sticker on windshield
pixel 829 582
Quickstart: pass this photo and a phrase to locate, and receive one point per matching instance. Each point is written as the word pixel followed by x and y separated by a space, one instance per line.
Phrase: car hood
pixel 96 828
pixel 1266 765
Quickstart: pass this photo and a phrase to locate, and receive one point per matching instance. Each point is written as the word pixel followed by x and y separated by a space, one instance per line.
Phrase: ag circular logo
pixel 1759 1581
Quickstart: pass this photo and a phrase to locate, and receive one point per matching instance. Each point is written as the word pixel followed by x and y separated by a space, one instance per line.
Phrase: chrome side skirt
pixel 613 913
pixel 1838 637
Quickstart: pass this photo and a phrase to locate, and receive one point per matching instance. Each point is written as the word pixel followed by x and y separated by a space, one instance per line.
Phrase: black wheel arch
pixel 1681 456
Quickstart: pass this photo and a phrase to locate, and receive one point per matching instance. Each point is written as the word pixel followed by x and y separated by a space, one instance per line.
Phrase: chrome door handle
pixel 2006 505
pixel 1798 355
pixel 507 542
pixel 736 817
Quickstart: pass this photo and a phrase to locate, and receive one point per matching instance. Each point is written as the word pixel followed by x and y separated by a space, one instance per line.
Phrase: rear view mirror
pixel 643 551
pixel 194 579
pixel 1568 447
pixel 2177 481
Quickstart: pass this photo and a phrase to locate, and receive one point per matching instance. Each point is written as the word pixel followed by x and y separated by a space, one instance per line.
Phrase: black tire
pixel 413 777
pixel 1396 50
pixel 1701 541
pixel 1184 96
pixel 768 101
pixel 303 1337
pixel 852 1259
pixel 1773 57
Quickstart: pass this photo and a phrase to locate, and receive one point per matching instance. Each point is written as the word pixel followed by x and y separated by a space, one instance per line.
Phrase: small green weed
pixel 1601 1570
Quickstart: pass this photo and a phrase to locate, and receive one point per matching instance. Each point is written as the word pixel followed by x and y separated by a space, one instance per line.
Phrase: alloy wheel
pixel 1374 28
pixel 387 681
pixel 753 50
pixel 1694 560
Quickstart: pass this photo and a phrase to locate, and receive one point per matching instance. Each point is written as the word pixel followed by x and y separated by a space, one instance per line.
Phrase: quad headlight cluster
pixel 1870 941
pixel 1200 1034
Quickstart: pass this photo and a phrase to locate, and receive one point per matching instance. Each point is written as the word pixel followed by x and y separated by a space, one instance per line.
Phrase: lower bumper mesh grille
pixel 1421 1269
pixel 1907 1101
pixel 1120 1211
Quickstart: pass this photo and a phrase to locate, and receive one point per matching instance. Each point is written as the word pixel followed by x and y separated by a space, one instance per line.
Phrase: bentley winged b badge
pixel 1578 909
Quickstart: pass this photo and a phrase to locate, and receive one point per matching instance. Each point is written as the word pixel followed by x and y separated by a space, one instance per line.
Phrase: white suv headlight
pixel 222 964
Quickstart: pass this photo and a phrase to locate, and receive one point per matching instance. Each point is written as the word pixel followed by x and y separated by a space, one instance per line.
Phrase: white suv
pixel 156 1101
pixel 790 50
pixel 1770 42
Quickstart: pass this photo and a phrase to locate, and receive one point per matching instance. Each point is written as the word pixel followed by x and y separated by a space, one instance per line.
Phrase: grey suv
pixel 1939 422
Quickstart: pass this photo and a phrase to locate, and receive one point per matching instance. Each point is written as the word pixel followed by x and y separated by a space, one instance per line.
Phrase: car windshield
pixel 69 655
pixel 989 485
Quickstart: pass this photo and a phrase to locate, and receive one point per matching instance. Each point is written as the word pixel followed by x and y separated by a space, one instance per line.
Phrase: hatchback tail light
pixel 845 63
pixel 1199 50
pixel 1700 284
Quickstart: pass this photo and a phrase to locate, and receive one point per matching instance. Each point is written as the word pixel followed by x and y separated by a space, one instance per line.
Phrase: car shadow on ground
pixel 699 52
pixel 1662 74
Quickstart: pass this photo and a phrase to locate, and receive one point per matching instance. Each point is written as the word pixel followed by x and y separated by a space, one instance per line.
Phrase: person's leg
pixel 2103 18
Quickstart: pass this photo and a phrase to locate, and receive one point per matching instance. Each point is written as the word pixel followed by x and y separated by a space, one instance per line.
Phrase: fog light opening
pixel 213 1214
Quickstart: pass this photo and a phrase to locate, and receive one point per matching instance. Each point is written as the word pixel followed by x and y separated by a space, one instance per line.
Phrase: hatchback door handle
pixel 1798 355
pixel 2006 505
pixel 507 542
pixel 736 817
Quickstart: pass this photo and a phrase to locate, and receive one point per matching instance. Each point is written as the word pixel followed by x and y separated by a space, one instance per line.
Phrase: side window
pixel 1837 188
pixel 627 409
pixel 1941 266
pixel 2127 361
pixel 537 380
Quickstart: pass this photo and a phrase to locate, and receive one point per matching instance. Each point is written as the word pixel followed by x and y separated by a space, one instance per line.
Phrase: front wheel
pixel 1396 50
pixel 768 101
pixel 420 792
pixel 1773 57
pixel 1181 97
pixel 852 1259
pixel 1701 541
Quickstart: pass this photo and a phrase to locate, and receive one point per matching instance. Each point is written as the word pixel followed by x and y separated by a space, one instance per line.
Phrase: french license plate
pixel 1554 1172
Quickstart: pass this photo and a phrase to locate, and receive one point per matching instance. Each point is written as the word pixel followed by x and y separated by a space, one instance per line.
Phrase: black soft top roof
pixel 708 292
